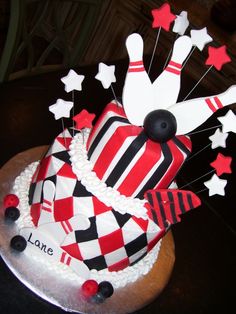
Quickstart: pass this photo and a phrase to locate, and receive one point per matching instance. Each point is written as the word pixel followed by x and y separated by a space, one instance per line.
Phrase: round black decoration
pixel 98 298
pixel 12 213
pixel 160 125
pixel 18 243
pixel 106 289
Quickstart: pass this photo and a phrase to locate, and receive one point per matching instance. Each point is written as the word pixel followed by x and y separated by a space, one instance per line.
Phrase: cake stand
pixel 63 292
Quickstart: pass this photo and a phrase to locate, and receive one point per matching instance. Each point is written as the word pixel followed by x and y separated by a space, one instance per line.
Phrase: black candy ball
pixel 18 243
pixel 160 125
pixel 12 213
pixel 98 298
pixel 106 289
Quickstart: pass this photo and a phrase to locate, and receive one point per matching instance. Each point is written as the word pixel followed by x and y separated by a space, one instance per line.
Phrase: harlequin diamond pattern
pixel 110 245
pixel 112 240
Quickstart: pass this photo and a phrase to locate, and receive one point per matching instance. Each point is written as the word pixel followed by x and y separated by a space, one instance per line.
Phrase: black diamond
pixel 80 190
pixel 64 156
pixel 136 245
pixel 121 218
pixel 88 234
pixel 97 263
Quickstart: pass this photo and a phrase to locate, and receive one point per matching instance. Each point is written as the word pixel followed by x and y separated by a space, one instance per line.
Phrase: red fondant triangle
pixel 64 141
pixel 66 171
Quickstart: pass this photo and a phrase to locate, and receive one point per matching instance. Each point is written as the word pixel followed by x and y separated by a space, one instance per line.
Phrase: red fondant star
pixel 217 57
pixel 163 17
pixel 84 119
pixel 222 164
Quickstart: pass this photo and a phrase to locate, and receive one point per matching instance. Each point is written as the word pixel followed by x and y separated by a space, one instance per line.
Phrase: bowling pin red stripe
pixel 65 259
pixel 139 69
pixel 47 209
pixel 66 226
pixel 63 255
pixel 172 70
pixel 136 66
pixel 214 104
pixel 135 63
pixel 174 67
pixel 68 260
pixel 218 103
pixel 175 64
pixel 47 202
pixel 210 105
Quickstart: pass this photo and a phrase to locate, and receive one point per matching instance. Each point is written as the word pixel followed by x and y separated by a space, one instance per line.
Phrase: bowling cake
pixel 103 196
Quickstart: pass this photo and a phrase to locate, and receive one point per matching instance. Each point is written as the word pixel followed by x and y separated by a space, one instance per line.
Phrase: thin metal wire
pixel 203 190
pixel 193 181
pixel 198 82
pixel 203 130
pixel 63 132
pixel 114 95
pixel 169 54
pixel 198 152
pixel 167 59
pixel 188 57
pixel 154 50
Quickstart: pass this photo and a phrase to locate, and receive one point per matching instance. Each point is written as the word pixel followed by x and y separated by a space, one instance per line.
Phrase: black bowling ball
pixel 160 125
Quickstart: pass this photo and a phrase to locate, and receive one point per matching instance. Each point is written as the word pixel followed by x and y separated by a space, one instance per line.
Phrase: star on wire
pixel 228 121
pixel 218 139
pixel 181 23
pixel 200 38
pixel 72 81
pixel 163 17
pixel 61 109
pixel 222 164
pixel 84 119
pixel 106 74
pixel 217 57
pixel 216 185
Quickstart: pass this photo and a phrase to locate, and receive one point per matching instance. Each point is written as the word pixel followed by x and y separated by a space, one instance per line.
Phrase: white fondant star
pixel 218 139
pixel 228 121
pixel 61 108
pixel 216 185
pixel 72 81
pixel 106 74
pixel 200 38
pixel 181 23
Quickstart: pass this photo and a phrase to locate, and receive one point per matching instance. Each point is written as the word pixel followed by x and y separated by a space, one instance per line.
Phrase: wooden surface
pixel 125 300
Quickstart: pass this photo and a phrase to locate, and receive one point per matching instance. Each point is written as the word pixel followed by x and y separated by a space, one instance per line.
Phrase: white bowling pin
pixel 46 214
pixel 63 228
pixel 192 113
pixel 38 242
pixel 167 85
pixel 137 95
